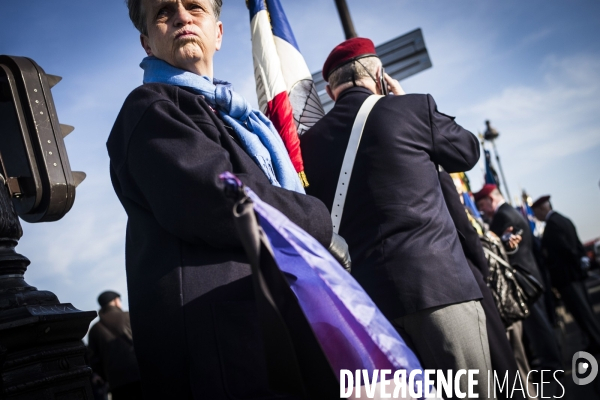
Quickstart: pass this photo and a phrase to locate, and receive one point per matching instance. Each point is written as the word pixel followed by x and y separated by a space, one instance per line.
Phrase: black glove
pixel 339 250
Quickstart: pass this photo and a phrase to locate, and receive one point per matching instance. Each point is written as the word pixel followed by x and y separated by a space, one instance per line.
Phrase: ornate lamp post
pixel 491 135
pixel 41 352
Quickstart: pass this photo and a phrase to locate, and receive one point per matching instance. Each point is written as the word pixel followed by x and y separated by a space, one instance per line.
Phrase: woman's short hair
pixel 137 16
pixel 356 70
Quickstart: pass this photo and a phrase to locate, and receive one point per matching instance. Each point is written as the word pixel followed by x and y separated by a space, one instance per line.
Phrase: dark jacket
pixel 191 300
pixel 111 348
pixel 562 251
pixel 404 247
pixel 505 217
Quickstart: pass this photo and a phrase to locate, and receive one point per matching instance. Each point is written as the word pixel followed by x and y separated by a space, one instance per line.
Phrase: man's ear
pixel 145 41
pixel 330 92
pixel 219 35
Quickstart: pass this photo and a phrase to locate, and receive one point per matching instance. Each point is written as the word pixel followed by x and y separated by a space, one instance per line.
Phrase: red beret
pixel 485 191
pixel 347 51
pixel 540 201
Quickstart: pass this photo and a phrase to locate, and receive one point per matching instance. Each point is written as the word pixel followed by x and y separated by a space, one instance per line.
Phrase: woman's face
pixel 184 33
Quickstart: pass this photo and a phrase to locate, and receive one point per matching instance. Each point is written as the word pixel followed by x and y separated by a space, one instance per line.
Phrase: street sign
pixel 401 57
pixel 33 157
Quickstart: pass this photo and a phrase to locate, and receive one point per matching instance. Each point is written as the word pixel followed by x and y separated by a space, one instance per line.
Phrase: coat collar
pixel 353 90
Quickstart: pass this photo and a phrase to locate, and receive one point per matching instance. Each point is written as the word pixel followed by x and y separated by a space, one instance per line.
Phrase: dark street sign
pixel 33 157
pixel 402 57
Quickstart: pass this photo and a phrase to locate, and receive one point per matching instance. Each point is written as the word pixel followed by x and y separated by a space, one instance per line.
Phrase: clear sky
pixel 531 67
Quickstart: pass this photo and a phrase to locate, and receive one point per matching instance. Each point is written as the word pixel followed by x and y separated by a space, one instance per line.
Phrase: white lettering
pixel 400 383
pixel 370 384
pixel 534 384
pixel 459 394
pixel 384 384
pixel 444 383
pixel 472 383
pixel 557 381
pixel 542 384
pixel 517 378
pixel 412 383
pixel 429 383
pixel 346 383
pixel 497 383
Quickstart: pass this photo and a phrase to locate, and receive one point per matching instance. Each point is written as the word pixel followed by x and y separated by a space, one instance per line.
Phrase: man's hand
pixel 511 241
pixel 393 85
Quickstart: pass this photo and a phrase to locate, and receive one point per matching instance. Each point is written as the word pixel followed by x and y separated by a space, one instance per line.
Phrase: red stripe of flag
pixel 279 111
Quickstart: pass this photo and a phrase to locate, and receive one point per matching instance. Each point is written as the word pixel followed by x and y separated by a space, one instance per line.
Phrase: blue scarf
pixel 257 134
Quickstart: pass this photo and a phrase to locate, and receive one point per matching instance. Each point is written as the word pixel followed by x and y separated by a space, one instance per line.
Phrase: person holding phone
pixel 403 243
pixel 505 221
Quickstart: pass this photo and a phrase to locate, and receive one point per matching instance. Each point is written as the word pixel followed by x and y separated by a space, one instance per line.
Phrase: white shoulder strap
pixel 346 173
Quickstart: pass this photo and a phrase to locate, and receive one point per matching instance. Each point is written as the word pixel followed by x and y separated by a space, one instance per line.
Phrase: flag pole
pixel 342 8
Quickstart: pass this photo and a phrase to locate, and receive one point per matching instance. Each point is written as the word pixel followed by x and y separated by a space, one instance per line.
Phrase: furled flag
pixel 528 213
pixel 286 93
pixel 491 176
pixel 461 181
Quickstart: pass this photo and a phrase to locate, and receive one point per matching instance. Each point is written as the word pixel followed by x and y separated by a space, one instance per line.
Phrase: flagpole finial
pixel 490 133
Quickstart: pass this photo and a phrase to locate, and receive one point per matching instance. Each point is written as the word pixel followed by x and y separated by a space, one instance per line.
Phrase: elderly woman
pixel 191 301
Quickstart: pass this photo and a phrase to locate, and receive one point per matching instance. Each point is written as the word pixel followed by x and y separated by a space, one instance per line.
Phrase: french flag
pixel 286 92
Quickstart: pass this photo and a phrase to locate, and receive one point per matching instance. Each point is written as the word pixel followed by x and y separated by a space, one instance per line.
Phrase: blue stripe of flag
pixel 256 6
pixel 279 23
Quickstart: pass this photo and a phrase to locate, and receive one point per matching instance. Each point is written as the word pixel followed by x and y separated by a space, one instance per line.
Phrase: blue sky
pixel 531 67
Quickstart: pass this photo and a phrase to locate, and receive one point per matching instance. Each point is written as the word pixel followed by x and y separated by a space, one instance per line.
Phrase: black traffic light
pixel 33 156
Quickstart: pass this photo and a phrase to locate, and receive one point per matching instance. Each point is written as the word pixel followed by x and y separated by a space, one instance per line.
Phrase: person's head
pixel 184 33
pixel 109 298
pixel 488 199
pixel 352 63
pixel 541 207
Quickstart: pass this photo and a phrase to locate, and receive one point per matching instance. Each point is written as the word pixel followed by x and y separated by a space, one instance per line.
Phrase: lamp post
pixel 491 135
pixel 41 352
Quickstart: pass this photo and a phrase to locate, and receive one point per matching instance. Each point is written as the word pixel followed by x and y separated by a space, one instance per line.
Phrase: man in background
pixel 564 256
pixel 506 222
pixel 110 346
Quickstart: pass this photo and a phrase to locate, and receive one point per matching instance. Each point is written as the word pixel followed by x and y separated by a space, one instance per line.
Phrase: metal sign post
pixel 342 8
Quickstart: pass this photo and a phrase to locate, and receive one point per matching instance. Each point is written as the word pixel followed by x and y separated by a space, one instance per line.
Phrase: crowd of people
pixel 415 248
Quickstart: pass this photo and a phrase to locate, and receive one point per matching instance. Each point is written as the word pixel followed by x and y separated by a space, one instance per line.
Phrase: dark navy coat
pixel 191 301
pixel 507 216
pixel 562 251
pixel 404 247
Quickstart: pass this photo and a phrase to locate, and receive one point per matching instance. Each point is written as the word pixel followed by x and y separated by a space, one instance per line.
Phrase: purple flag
pixel 352 332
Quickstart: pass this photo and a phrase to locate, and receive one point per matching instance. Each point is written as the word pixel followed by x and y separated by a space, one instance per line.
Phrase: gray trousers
pixel 515 337
pixel 450 337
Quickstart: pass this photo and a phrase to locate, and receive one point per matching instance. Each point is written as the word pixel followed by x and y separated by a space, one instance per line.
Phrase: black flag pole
pixel 342 8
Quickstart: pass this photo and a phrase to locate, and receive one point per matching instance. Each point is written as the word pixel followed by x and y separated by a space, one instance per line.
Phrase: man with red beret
pixel 504 219
pixel 403 242
pixel 564 256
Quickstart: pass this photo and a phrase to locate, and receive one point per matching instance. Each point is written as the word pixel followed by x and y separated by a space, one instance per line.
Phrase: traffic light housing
pixel 33 156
